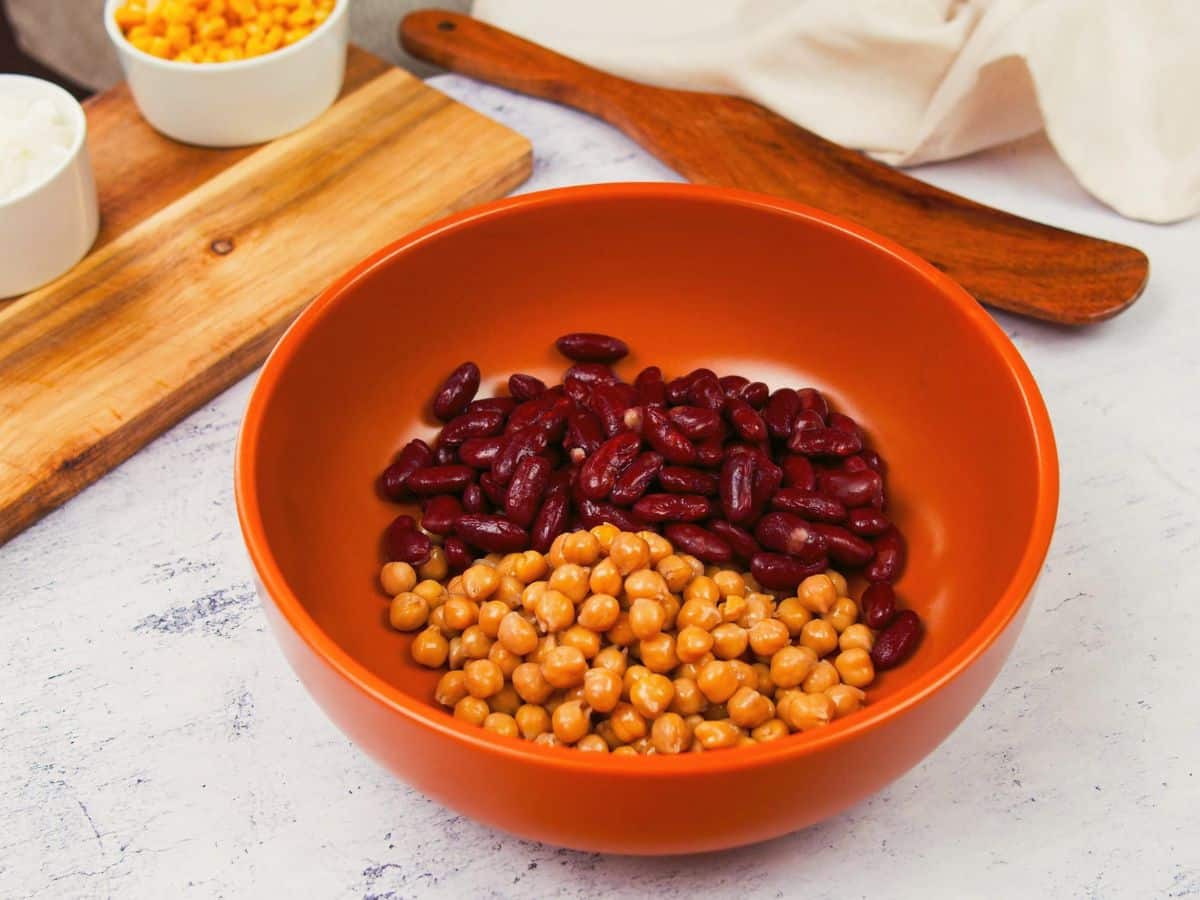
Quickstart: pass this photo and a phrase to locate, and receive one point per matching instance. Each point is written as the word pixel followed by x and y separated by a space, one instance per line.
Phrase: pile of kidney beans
pixel 725 468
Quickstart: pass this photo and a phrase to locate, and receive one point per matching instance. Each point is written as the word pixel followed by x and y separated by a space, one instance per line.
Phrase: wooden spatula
pixel 1005 261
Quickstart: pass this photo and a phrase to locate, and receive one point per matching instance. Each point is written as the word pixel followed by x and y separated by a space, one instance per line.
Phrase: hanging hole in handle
pixel 445 26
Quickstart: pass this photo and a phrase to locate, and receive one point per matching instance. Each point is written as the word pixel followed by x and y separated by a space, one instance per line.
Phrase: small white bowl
pixel 50 225
pixel 248 101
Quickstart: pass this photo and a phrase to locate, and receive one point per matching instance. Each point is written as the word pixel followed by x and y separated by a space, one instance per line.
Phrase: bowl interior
pixel 688 278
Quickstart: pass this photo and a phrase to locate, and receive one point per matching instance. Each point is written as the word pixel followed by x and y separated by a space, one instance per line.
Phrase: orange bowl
pixel 688 276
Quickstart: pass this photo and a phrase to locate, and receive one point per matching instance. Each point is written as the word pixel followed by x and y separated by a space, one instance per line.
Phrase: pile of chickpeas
pixel 613 642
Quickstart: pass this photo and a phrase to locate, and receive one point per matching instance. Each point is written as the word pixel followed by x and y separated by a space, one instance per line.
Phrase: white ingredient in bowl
pixel 35 139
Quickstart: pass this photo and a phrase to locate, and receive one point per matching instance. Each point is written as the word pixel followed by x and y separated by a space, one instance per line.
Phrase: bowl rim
pixel 795 746
pixel 124 45
pixel 70 107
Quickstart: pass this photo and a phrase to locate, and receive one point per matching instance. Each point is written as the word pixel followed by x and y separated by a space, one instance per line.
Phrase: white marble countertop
pixel 154 743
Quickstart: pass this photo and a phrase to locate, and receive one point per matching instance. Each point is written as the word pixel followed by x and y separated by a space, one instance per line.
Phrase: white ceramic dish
pixel 48 227
pixel 233 104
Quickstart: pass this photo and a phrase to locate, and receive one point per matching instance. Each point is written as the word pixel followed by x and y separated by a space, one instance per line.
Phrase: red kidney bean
pixel 898 641
pixel 706 391
pixel 731 385
pixel 456 391
pixel 529 441
pixel 445 455
pixel 778 572
pixel 480 453
pixel 780 413
pixel 481 423
pixel 528 412
pixel 699 542
pixel 677 390
pixel 710 452
pixel 798 472
pixel 609 402
pixel 843 546
pixel 526 488
pixel 756 394
pixel 825 442
pixel 600 470
pixel 805 419
pixel 812 399
pixel 673 508
pixel 745 420
pixel 524 387
pixel 458 556
pixel 878 605
pixel 736 488
pixel 473 499
pixel 591 374
pixel 407 544
pixel 808 505
pixel 842 422
pixel 492 534
pixel 415 455
pixel 766 481
pixel 584 431
pixel 686 480
pixel 440 480
pixel 492 489
pixel 583 346
pixel 593 513
pixel 631 484
pixel 855 463
pixel 695 422
pixel 874 461
pixel 498 404
pixel 889 557
pixel 439 513
pixel 666 438
pixel 743 543
pixel 553 516
pixel 577 390
pixel 788 533
pixel 868 522
pixel 854 489
pixel 650 387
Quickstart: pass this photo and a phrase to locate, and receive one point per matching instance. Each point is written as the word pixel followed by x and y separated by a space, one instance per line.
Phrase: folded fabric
pixel 1115 85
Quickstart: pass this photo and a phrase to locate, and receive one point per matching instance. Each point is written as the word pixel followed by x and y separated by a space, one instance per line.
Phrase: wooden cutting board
pixel 205 256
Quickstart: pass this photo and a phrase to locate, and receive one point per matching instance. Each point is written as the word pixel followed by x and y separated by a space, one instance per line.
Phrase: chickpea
pixel 547 739
pixel 729 641
pixel 697 566
pixel 460 613
pixel 484 678
pixel 455 586
pixel 533 720
pixel 612 658
pixel 758 607
pixel 564 667
pixel 717 735
pixel 545 645
pixel 748 708
pixel 555 555
pixel 692 643
pixel 793 615
pixel 645 583
pixel 624 750
pixel 602 689
pixel 592 743
pixel 586 640
pixel 733 608
pixel 745 673
pixel 855 667
pixel 702 588
pixel 451 688
pixel 670 605
pixel 752 584
pixel 475 644
pixel 621 634
pixel 431 590
pixel 437 619
pixel 570 722
pixel 691 670
pixel 555 612
pixel 711 569
pixel 822 677
pixel 457 657
pixel 820 636
pixel 480 581
pixel 857 635
pixel 843 615
pixel 507 567
pixel 605 578
pixel 471 709
pixel 652 695
pixel 839 582
pixel 632 674
pixel 604 535
pixel 808 711
pixel 530 567
pixel 643 745
pixel 629 552
pixel 408 611
pixel 764 685
pixel 509 592
pixel 430 649
pixel 490 616
pixel 436 567
pixel 532 595
pixel 530 684
pixel 717 681
pixel 516 634
pixel 658 653
pixel 506 660
pixel 670 734
pixel 769 637
pixel 730 583
pixel 675 572
pixel 688 699
pixel 501 723
pixel 397 578
pixel 571 580
pixel 627 723
pixel 791 665
pixel 659 546
pixel 599 612
pixel 817 594
pixel 846 698
pixel 646 618
pixel 581 548
pixel 783 698
pixel 700 613
pixel 770 730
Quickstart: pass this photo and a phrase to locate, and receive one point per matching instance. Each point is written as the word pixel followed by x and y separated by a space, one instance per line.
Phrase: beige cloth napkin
pixel 1115 83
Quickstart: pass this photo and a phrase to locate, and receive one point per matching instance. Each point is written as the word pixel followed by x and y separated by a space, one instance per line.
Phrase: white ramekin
pixel 248 101
pixel 50 226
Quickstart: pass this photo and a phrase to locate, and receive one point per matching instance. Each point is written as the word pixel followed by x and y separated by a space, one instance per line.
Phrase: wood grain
pixel 191 298
pixel 1004 260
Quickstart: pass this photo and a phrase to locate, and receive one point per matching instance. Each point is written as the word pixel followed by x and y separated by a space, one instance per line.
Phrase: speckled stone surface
pixel 154 743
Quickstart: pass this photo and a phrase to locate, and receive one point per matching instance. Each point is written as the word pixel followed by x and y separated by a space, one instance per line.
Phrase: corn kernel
pixel 129 17
pixel 212 29
pixel 160 47
pixel 179 37
pixel 236 36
